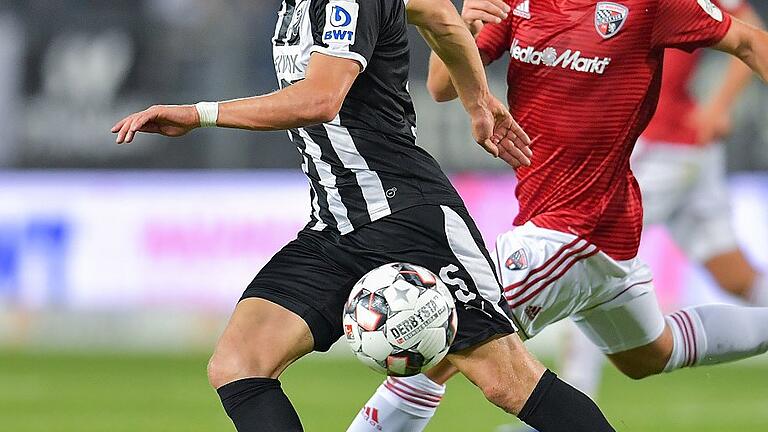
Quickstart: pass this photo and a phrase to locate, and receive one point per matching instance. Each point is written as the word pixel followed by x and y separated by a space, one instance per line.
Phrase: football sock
pixel 400 405
pixel 555 406
pixel 759 294
pixel 582 362
pixel 712 334
pixel 259 405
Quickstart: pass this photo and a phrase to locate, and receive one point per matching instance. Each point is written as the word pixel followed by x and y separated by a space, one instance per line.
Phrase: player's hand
pixel 499 134
pixel 710 123
pixel 168 120
pixel 478 12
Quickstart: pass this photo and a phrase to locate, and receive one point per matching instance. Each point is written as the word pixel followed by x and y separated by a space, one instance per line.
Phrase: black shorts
pixel 313 275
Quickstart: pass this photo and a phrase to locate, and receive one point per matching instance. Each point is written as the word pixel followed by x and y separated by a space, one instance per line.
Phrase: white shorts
pixel 549 275
pixel 684 187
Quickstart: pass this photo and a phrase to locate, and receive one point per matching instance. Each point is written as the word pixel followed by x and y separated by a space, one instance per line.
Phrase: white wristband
pixel 208 112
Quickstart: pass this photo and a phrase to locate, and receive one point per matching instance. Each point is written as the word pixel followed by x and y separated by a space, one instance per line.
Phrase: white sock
pixel 582 364
pixel 759 293
pixel 713 334
pixel 400 405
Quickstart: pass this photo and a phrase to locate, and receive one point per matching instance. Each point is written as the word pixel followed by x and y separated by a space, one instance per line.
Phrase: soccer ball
pixel 400 319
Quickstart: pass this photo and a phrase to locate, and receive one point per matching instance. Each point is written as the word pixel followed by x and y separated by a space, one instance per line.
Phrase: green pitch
pixel 116 393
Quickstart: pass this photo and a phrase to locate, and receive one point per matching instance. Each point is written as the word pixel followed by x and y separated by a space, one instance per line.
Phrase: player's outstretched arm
pixel 711 119
pixel 475 14
pixel 492 125
pixel 316 99
pixel 748 43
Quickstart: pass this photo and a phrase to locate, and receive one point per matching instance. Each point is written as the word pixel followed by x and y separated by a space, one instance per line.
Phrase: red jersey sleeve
pixel 689 24
pixel 494 39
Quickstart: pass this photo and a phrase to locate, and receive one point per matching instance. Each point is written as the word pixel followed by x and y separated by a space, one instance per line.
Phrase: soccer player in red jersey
pixel 679 163
pixel 584 81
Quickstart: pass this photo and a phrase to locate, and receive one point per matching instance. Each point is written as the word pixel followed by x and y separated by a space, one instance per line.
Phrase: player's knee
pixel 223 369
pixel 226 366
pixel 503 397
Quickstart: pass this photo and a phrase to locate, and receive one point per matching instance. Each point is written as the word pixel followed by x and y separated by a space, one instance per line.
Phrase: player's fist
pixel 478 12
pixel 168 120
pixel 499 134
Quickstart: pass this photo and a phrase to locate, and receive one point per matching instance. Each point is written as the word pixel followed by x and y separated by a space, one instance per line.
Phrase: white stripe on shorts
pixel 469 255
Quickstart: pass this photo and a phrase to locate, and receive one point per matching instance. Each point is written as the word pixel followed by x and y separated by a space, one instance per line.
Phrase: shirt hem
pixel 617 255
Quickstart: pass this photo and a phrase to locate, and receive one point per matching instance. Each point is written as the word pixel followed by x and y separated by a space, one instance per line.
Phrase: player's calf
pixel 647 360
pixel 508 376
pixel 516 382
pixel 260 341
pixel 699 336
pixel 503 370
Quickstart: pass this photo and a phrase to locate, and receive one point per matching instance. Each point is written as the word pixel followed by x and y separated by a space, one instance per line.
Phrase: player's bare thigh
pixel 261 340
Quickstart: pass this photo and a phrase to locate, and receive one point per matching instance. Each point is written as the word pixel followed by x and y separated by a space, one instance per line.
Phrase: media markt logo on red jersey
pixel 568 59
pixel 610 18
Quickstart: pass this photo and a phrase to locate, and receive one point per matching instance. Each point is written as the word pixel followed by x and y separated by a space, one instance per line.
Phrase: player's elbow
pixel 323 107
pixel 440 92
pixel 438 18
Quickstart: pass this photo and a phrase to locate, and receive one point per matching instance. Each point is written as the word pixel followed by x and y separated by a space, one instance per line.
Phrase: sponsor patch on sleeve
pixel 340 23
pixel 711 9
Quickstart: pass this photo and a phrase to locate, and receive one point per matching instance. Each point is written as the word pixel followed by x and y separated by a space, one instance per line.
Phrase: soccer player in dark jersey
pixel 376 198
pixel 584 80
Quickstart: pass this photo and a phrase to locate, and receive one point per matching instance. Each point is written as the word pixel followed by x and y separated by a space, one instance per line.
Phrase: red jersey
pixel 676 102
pixel 584 79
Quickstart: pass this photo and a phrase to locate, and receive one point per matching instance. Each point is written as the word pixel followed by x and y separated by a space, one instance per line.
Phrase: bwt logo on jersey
pixel 340 17
pixel 340 23
pixel 569 59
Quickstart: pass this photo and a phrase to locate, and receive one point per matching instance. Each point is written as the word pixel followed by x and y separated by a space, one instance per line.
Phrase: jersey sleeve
pixel 347 28
pixel 494 39
pixel 689 24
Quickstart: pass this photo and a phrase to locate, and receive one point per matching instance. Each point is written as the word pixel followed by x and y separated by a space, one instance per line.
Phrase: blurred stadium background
pixel 119 265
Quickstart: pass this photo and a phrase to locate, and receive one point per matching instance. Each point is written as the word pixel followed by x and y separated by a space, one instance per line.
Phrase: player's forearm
pixel 735 80
pixel 439 81
pixel 293 107
pixel 755 53
pixel 749 44
pixel 447 35
pixel 739 75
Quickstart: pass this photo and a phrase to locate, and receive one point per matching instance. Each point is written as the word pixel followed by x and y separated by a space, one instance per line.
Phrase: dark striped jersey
pixel 363 165
pixel 584 79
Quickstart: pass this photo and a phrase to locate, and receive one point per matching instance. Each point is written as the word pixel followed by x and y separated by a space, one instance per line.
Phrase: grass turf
pixel 148 393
